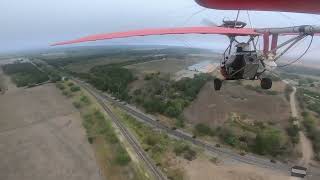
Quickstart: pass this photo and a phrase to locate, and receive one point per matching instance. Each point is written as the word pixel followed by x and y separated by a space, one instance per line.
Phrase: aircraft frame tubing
pixel 304 29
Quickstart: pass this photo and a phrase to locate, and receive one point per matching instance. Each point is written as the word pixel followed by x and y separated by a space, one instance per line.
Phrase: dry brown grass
pixel 41 137
pixel 214 107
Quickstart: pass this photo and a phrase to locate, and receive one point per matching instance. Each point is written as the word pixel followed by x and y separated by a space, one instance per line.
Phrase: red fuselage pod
pixel 299 6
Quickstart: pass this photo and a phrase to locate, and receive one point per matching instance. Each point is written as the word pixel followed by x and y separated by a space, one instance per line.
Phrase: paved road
pixel 249 158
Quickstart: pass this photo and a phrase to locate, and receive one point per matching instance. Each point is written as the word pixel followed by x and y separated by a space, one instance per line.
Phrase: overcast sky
pixel 29 24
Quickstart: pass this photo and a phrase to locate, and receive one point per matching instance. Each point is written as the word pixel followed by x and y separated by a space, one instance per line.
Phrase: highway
pixel 130 138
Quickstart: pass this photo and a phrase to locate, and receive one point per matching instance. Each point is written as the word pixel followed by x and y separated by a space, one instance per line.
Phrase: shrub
pixel 90 140
pixel 293 132
pixel 179 148
pixel 66 93
pixel 76 104
pixel 60 86
pixel 228 136
pixel 151 139
pixel 317 156
pixel 112 138
pixel 99 115
pixel 180 122
pixel 122 157
pixel 203 129
pixel 75 88
pixel 185 151
pixel 268 141
pixel 55 78
pixel 232 140
pixel 70 84
pixel 190 155
pixel 309 123
pixel 214 160
pixel 85 99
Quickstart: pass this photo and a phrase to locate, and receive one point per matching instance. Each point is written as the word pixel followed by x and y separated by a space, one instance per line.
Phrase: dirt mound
pixel 214 107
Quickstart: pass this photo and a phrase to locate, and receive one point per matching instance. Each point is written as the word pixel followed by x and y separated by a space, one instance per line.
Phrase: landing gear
pixel 217 84
pixel 266 83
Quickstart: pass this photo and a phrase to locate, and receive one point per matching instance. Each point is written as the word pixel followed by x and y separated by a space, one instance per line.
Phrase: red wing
pixel 302 6
pixel 164 31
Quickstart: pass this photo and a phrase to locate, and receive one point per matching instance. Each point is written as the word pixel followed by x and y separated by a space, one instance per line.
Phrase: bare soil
pixel 41 137
pixel 214 107
pixel 203 169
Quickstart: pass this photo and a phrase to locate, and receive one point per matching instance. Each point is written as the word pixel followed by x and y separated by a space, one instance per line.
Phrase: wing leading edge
pixel 163 31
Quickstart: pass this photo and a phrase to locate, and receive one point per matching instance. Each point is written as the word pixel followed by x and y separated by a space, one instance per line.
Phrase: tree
pixel 75 88
pixel 172 111
pixel 268 141
pixel 203 129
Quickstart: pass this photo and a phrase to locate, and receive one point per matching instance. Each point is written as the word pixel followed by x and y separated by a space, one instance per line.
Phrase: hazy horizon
pixel 36 24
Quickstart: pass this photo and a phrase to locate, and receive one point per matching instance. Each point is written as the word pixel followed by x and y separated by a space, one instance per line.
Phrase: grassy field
pixel 111 154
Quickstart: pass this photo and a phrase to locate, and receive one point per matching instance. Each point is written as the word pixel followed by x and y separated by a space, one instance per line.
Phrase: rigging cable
pixel 292 62
pixel 195 13
pixel 304 53
pixel 288 17
pixel 249 19
pixel 235 23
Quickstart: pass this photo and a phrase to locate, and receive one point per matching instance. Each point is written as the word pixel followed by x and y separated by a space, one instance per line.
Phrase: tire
pixel 217 84
pixel 266 83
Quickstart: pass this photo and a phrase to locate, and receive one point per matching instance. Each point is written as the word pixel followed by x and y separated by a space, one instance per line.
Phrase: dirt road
pixel 293 104
pixel 306 149
pixel 305 143
pixel 41 137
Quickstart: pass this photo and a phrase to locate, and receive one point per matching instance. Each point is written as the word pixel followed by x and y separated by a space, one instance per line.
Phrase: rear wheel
pixel 266 83
pixel 217 84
